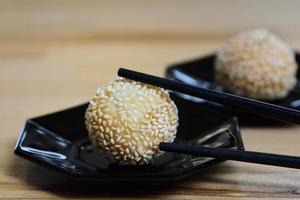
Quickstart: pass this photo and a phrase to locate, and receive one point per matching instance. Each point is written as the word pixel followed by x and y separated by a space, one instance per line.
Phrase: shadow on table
pixel 43 178
pixel 219 180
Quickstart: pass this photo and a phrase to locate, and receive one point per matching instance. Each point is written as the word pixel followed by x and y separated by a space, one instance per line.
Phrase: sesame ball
pixel 127 120
pixel 256 64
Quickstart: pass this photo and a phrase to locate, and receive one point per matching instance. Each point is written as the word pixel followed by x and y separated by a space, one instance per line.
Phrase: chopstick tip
pixel 120 71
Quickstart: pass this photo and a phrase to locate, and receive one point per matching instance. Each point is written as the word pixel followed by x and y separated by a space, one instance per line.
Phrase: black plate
pixel 60 141
pixel 200 72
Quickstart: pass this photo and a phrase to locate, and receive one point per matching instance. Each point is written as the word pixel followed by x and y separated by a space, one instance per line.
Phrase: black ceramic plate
pixel 200 72
pixel 60 141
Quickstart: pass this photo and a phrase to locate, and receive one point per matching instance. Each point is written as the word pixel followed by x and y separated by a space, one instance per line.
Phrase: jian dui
pixel 127 120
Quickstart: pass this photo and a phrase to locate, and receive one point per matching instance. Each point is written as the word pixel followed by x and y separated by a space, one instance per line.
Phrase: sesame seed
pixel 105 143
pixel 111 134
pixel 112 141
pixel 101 128
pixel 106 137
pixel 101 135
pixel 118 138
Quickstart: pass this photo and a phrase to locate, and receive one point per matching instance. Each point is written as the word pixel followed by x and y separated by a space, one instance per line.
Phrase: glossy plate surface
pixel 60 141
pixel 200 72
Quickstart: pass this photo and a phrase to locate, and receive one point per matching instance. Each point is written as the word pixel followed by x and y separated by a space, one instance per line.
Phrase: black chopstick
pixel 237 155
pixel 241 103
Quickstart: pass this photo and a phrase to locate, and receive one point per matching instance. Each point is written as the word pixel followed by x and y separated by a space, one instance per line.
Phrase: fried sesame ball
pixel 127 120
pixel 256 64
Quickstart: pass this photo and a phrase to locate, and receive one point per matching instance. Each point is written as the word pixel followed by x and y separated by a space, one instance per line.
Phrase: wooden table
pixel 54 54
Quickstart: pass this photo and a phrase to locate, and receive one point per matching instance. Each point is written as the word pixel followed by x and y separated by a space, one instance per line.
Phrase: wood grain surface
pixel 54 54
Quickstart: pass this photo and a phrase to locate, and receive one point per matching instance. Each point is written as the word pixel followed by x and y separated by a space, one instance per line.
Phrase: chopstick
pixel 237 155
pixel 241 103
pixel 245 104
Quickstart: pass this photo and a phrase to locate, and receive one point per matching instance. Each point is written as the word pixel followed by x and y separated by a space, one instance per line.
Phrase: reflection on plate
pixel 200 72
pixel 60 141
